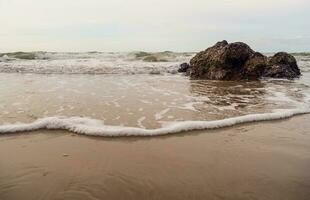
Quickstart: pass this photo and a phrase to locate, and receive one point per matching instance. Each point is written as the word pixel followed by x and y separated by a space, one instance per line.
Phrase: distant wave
pixel 92 62
pixel 165 56
pixel 94 127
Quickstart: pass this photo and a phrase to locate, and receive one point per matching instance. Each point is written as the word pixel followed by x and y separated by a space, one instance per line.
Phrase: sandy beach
pixel 154 100
pixel 269 160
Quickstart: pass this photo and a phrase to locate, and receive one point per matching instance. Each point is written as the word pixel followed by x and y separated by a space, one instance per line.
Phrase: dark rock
pixel 237 61
pixel 282 65
pixel 254 66
pixel 223 61
pixel 236 54
pixel 183 68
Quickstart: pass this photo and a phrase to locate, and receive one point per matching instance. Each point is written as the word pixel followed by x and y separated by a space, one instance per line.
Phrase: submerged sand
pixel 269 160
pixel 142 101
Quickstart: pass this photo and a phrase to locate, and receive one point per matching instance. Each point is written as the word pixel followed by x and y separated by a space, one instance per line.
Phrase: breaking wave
pixel 92 62
pixel 92 127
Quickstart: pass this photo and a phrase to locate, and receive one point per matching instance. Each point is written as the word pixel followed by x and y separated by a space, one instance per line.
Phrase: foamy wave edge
pixel 94 127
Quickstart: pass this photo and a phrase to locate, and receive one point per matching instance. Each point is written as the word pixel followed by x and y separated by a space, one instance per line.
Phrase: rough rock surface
pixel 282 65
pixel 237 61
pixel 254 66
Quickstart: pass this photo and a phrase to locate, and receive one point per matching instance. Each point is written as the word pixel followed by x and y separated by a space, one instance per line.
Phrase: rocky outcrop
pixel 282 65
pixel 237 61
pixel 255 66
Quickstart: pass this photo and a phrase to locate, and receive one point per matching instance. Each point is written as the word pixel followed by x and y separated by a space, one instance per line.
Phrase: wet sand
pixel 269 160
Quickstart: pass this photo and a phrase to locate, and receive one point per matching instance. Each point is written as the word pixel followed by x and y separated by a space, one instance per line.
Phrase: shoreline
pixel 266 160
pixel 93 127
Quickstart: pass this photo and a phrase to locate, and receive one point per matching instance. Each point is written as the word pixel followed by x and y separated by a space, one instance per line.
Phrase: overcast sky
pixel 152 25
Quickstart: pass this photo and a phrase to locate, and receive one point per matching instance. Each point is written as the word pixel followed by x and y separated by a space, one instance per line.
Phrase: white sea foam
pixel 140 122
pixel 189 106
pixel 160 115
pixel 94 63
pixel 94 127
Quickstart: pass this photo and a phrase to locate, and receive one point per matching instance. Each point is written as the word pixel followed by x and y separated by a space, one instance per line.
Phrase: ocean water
pixel 135 94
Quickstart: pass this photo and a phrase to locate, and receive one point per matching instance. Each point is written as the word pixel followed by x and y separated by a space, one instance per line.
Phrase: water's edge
pixel 93 127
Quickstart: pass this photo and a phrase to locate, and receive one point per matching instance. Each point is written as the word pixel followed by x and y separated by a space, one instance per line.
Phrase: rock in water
pixel 183 68
pixel 237 61
pixel 282 65
pixel 223 61
pixel 254 66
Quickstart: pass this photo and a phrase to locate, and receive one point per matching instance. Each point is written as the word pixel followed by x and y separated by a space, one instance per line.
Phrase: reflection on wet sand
pixel 250 97
pixel 141 101
pixel 229 95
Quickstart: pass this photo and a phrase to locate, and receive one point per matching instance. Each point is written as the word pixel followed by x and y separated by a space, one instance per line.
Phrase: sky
pixel 153 25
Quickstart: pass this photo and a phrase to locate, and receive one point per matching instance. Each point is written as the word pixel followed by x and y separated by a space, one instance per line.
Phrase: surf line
pixel 93 127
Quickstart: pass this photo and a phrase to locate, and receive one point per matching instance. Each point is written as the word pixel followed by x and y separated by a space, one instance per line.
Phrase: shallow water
pixel 141 100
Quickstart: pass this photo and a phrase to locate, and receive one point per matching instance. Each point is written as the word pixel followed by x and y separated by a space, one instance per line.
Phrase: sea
pixel 113 94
